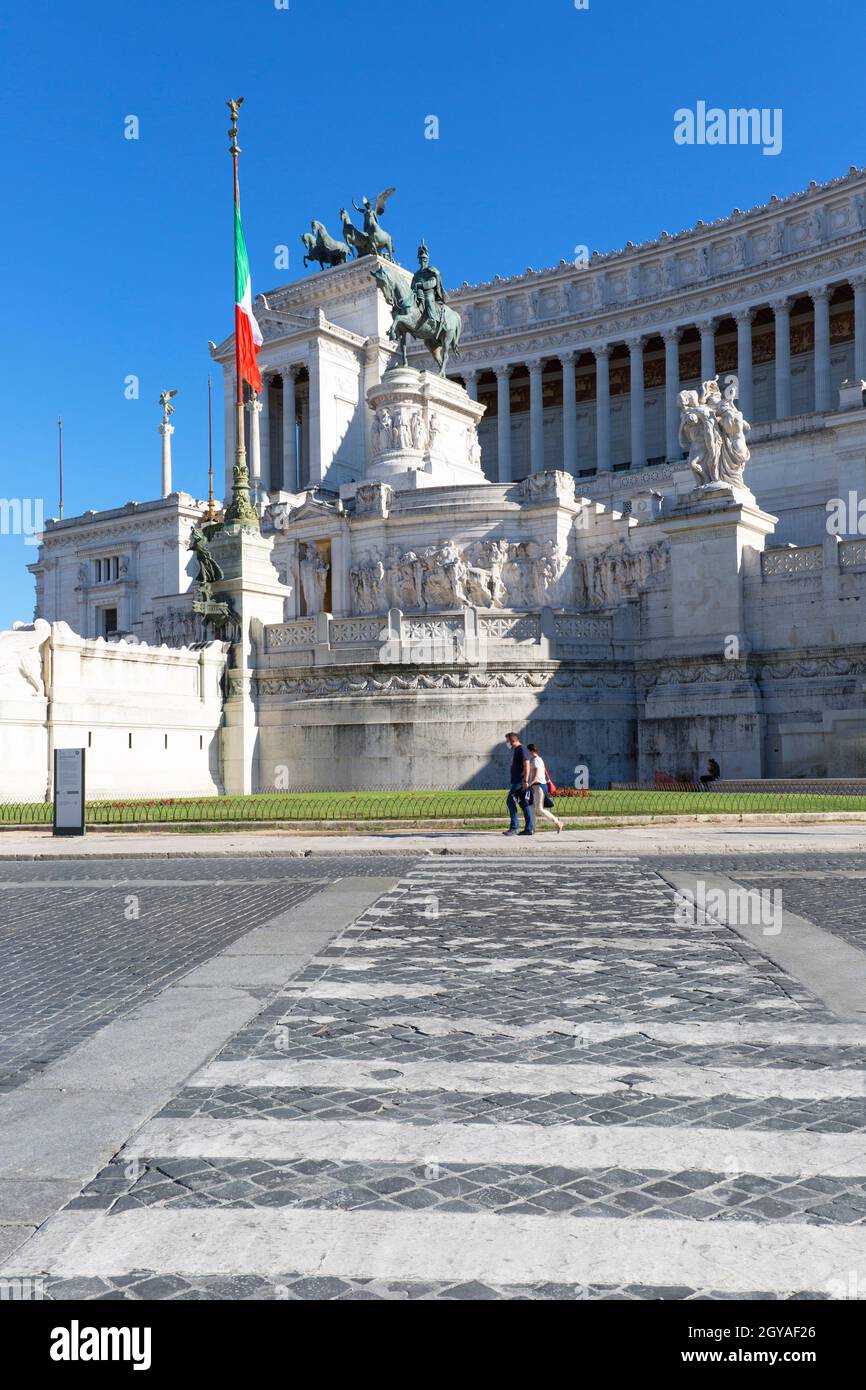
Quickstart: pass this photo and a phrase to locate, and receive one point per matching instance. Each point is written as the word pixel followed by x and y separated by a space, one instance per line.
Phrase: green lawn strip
pixel 458 805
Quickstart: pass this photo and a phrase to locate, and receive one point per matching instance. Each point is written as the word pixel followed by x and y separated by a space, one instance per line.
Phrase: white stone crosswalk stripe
pixel 676 1034
pixel 491 1078
pixel 791 1154
pixel 381 989
pixel 731 1256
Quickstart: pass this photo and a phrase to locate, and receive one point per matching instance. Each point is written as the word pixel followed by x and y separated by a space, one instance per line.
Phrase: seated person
pixel 712 774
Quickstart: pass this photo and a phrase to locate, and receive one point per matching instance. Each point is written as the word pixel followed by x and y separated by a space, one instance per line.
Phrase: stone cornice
pixel 303 299
pixel 318 328
pixel 738 221
pixel 103 526
pixel 728 295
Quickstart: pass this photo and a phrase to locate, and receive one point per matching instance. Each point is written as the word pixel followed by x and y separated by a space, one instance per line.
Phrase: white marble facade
pixel 523 546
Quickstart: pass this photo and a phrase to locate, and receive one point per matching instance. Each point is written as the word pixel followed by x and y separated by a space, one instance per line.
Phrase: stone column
pixel 821 300
pixel 602 408
pixel 503 421
pixel 569 413
pixel 304 445
pixel 673 448
pixel 290 452
pixel 471 379
pixel 320 422
pixel 636 402
pixel 708 348
pixel 858 284
pixel 744 359
pixel 782 311
pixel 254 406
pixel 250 582
pixel 536 417
pixel 166 430
pixel 229 429
pixel 265 432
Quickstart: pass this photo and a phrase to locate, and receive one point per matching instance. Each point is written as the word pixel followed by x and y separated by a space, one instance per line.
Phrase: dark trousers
pixel 517 797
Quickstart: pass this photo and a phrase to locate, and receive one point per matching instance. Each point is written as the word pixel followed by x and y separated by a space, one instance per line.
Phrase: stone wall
pixel 149 717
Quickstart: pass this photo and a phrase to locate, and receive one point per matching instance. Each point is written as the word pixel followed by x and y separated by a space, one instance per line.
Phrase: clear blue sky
pixel 556 129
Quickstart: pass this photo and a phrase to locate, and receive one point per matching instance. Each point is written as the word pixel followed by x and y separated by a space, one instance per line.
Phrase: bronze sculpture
pixel 422 310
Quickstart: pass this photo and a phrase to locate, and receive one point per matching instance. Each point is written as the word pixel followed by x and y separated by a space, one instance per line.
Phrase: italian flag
pixel 248 335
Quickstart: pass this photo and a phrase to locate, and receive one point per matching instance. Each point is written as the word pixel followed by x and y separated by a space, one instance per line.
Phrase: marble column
pixel 471 379
pixel 166 430
pixel 290 438
pixel 858 284
pixel 304 446
pixel 503 422
pixel 536 417
pixel 265 432
pixel 821 300
pixel 744 359
pixel 569 413
pixel 636 402
pixel 673 448
pixel 782 311
pixel 708 348
pixel 254 406
pixel 229 430
pixel 602 408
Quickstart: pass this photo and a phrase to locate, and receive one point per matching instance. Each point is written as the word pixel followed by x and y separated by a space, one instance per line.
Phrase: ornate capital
pixel 744 317
pixel 568 357
pixel 288 372
pixel 602 351
pixel 635 344
pixel 781 306
pixel 503 371
pixel 857 282
pixel 672 335
pixel 707 326
pixel 820 295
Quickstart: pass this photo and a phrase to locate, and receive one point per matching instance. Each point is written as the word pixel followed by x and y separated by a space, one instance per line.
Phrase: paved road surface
pixel 457 1079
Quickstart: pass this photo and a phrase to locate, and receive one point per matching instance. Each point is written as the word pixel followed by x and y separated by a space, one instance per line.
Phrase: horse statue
pixel 320 246
pixel 358 240
pixel 378 241
pixel 441 339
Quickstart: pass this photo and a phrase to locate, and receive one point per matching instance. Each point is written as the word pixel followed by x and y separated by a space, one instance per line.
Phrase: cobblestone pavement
pixel 525 1081
pixel 82 948
pixel 827 889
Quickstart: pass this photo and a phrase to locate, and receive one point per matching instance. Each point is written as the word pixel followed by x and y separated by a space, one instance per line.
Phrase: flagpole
pixel 241 510
pixel 60 459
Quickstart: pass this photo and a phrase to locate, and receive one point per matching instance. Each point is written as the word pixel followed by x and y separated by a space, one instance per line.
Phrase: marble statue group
pixel 713 431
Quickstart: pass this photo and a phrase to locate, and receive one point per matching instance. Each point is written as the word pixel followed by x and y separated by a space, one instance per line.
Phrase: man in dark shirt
pixel 518 787
pixel 712 774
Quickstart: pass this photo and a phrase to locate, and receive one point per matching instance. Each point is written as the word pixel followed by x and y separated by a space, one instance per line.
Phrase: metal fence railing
pixel 482 806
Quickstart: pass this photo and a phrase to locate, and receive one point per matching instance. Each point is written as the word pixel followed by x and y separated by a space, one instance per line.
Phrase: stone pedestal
pixel 706 702
pixel 424 432
pixel 716 534
pixel 258 598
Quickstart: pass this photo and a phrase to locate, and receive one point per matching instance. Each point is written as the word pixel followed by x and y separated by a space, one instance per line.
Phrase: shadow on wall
pixel 390 737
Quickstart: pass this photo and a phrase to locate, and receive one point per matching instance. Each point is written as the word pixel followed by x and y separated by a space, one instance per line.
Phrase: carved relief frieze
pixel 486 574
pixel 313 685
pixel 619 572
